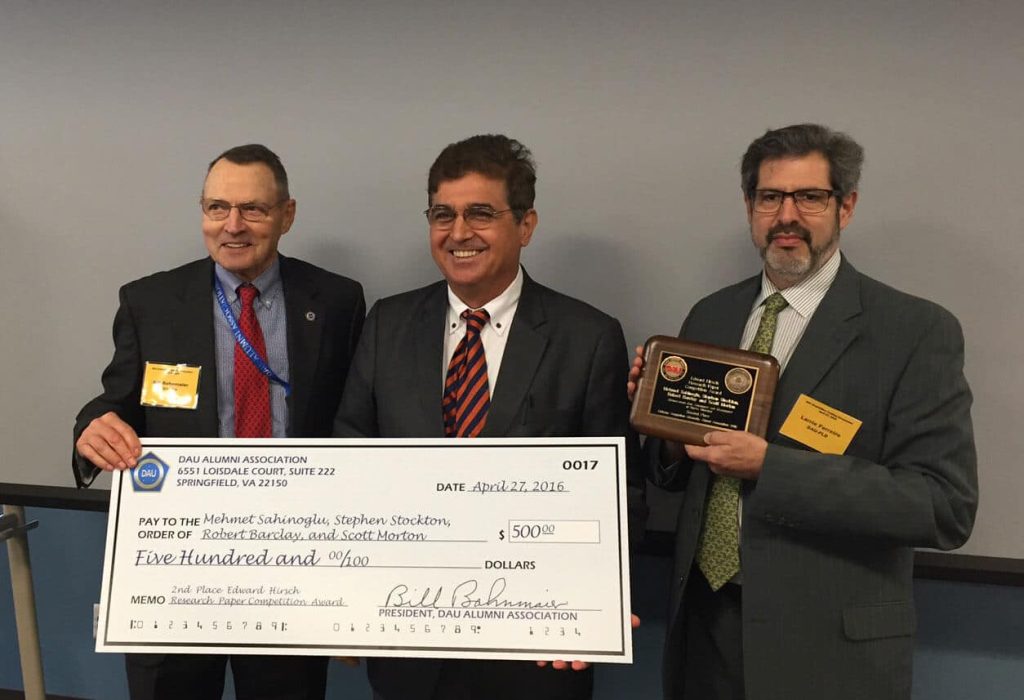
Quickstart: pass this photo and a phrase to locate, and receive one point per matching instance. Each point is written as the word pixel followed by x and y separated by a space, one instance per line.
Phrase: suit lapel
pixel 305 316
pixel 193 334
pixel 425 379
pixel 523 352
pixel 834 325
pixel 727 328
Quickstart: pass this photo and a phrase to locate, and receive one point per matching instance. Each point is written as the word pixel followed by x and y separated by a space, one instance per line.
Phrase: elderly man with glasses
pixel 794 553
pixel 299 324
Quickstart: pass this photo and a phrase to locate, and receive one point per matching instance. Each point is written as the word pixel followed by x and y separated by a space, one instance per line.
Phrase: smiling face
pixel 246 248
pixel 795 245
pixel 479 264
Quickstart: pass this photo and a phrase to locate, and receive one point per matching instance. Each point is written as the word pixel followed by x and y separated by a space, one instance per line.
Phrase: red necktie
pixel 252 388
pixel 466 393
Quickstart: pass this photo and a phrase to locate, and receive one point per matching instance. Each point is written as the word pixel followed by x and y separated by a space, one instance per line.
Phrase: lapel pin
pixel 310 316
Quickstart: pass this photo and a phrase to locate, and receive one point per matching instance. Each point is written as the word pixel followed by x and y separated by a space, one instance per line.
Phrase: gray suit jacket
pixel 827 540
pixel 168 317
pixel 563 374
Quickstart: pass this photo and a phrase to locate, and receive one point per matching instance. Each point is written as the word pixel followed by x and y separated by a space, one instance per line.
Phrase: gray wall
pixel 637 113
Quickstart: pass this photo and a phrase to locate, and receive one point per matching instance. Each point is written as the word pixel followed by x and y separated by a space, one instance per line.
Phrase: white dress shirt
pixel 494 335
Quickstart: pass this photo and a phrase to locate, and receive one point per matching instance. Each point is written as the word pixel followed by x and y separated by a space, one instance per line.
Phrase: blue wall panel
pixel 970 641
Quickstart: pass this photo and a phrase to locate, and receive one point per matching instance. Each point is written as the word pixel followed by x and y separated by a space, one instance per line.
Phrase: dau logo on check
pixel 149 474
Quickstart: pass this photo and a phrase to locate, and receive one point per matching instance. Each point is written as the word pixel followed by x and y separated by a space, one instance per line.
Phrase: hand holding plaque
pixel 687 389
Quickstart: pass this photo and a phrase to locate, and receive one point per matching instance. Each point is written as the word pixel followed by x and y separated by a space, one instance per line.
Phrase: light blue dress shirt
pixel 270 313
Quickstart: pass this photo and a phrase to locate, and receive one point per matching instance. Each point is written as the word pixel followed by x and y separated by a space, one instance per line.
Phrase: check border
pixel 622 654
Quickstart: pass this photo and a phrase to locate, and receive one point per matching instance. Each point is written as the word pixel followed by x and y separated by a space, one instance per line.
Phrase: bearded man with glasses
pixel 549 366
pixel 802 588
pixel 302 322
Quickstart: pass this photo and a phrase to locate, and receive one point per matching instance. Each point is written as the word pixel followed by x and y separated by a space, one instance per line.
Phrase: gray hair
pixel 845 156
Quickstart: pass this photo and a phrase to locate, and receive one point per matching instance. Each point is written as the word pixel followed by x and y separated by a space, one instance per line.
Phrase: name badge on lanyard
pixel 243 342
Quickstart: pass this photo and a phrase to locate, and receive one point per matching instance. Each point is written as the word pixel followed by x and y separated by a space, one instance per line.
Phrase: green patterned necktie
pixel 718 552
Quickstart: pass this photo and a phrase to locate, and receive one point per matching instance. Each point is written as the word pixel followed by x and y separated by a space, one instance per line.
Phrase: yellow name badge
pixel 170 386
pixel 819 426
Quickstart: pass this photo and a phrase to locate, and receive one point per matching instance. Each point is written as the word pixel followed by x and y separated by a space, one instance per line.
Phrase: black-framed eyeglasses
pixel 477 217
pixel 811 201
pixel 254 212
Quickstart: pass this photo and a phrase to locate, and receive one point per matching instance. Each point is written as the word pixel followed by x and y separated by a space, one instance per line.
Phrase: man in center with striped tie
pixel 486 352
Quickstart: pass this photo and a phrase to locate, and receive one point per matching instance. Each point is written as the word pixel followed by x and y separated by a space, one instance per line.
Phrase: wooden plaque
pixel 687 389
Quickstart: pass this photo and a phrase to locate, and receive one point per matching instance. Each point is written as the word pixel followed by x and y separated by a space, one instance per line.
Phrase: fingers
pixel 129 438
pixel 715 442
pixel 634 372
pixel 560 665
pixel 712 452
pixel 724 437
pixel 731 453
pixel 637 366
pixel 109 443
pixel 698 453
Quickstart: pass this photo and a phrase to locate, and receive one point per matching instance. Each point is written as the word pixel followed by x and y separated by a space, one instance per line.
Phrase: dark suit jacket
pixel 168 317
pixel 826 540
pixel 563 374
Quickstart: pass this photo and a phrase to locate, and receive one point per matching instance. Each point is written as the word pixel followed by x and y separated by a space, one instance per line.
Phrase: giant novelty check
pixel 484 548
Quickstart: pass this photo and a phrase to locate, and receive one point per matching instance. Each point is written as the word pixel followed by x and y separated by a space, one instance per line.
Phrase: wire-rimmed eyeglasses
pixel 218 209
pixel 477 217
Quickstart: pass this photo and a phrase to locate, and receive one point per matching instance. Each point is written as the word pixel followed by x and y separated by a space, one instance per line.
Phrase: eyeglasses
pixel 476 217
pixel 218 209
pixel 807 201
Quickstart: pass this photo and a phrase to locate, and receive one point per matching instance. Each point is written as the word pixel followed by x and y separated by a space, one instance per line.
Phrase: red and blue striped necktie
pixel 466 393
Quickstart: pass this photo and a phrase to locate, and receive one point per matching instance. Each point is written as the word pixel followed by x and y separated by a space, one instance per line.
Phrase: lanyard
pixel 243 342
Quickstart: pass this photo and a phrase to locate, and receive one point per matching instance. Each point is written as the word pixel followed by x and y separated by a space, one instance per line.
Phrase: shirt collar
pixel 804 296
pixel 268 283
pixel 501 308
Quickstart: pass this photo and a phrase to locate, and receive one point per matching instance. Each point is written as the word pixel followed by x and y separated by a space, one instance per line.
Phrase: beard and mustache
pixel 792 264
